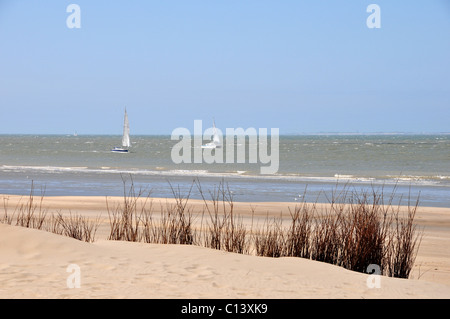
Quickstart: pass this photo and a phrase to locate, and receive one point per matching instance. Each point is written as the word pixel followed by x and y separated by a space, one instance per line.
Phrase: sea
pixel 311 167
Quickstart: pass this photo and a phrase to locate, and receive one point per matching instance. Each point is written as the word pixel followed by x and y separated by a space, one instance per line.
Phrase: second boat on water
pixel 215 143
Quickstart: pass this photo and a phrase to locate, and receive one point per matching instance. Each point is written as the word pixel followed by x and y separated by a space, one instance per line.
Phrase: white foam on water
pixel 435 180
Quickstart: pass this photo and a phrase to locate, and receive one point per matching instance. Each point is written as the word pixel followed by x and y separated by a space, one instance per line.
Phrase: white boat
pixel 125 137
pixel 215 143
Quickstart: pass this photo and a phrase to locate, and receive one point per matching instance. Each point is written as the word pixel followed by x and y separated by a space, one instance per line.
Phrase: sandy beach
pixel 40 264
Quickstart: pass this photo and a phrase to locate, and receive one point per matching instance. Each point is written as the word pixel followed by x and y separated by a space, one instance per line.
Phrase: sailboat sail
pixel 126 132
pixel 216 138
pixel 125 138
pixel 215 143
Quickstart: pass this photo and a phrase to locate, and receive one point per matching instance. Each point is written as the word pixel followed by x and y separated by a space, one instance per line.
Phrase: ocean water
pixel 409 165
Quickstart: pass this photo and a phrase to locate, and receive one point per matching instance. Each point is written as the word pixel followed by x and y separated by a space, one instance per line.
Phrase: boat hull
pixel 119 150
pixel 211 146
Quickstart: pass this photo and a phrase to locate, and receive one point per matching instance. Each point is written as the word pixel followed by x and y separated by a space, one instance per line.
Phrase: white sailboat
pixel 125 137
pixel 215 143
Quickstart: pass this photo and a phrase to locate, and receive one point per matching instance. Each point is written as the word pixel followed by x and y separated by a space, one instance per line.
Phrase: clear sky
pixel 301 66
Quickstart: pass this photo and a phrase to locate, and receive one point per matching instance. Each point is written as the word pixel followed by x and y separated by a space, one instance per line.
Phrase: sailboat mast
pixel 126 131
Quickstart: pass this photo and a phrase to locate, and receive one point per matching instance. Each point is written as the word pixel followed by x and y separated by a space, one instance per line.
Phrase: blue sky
pixel 300 66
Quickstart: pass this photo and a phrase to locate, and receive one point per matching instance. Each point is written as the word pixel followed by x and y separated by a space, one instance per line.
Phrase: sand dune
pixel 35 264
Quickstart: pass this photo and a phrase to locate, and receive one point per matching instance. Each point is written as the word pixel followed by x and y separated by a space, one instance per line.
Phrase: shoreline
pixel 244 189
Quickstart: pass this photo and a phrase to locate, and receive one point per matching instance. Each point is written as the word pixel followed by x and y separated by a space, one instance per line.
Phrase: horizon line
pixel 285 134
